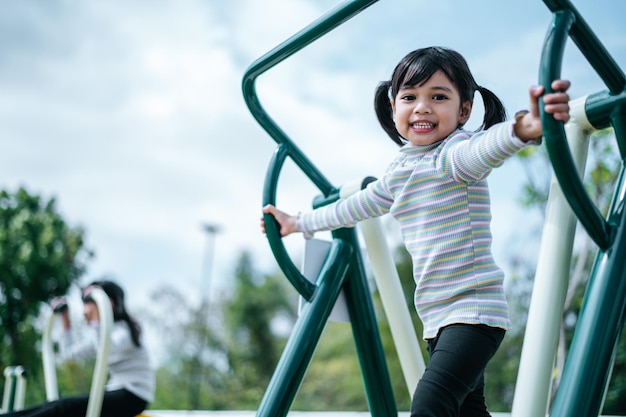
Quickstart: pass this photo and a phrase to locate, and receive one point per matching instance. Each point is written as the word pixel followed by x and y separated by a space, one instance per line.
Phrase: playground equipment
pixel 98 381
pixel 589 362
pixel 14 389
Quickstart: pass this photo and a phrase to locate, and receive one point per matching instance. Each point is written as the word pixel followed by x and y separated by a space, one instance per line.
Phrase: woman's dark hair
pixel 416 68
pixel 116 294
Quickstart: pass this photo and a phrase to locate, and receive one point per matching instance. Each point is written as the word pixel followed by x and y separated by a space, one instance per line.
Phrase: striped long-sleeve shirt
pixel 439 195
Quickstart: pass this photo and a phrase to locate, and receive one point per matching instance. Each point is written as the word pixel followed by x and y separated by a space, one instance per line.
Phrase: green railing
pixel 590 359
pixel 343 267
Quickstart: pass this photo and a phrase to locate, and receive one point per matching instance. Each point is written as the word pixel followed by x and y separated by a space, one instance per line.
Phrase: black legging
pixel 119 403
pixel 453 382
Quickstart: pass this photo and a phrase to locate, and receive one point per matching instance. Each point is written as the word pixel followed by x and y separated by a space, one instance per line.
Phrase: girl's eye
pixel 408 97
pixel 439 97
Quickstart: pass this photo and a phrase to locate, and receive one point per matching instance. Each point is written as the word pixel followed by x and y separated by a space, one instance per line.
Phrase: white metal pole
pixel 392 297
pixel 98 381
pixel 9 382
pixel 20 389
pixel 545 313
pixel 49 366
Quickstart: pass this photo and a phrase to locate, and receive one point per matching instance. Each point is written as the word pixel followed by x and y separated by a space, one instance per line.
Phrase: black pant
pixel 119 403
pixel 453 382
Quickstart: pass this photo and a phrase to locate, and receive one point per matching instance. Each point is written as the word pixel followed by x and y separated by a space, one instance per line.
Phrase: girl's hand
pixel 58 305
pixel 287 222
pixel 557 103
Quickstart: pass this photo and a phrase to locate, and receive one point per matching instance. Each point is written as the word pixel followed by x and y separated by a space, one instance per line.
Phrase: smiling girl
pixel 436 188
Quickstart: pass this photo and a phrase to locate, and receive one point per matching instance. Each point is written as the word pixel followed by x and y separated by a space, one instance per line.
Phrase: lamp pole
pixel 197 370
pixel 211 230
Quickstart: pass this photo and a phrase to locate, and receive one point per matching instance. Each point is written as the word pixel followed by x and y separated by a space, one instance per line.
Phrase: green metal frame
pixel 589 362
pixel 343 267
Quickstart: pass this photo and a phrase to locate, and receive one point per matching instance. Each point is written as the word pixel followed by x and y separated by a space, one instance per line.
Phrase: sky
pixel 130 113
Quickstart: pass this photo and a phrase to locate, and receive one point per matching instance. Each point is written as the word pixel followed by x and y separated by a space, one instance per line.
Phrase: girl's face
pixel 427 113
pixel 90 310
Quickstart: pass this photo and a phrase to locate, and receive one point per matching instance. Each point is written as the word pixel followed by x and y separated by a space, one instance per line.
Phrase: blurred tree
pixel 190 346
pixel 261 306
pixel 221 355
pixel 40 257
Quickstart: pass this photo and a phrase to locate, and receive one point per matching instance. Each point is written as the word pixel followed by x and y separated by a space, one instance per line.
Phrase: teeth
pixel 422 125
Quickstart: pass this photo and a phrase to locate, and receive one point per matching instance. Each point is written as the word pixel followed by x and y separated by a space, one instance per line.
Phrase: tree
pixel 260 304
pixel 221 354
pixel 40 257
pixel 184 380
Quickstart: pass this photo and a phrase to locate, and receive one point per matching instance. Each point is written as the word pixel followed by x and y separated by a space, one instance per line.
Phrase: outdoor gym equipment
pixel 14 388
pixel 589 363
pixel 98 381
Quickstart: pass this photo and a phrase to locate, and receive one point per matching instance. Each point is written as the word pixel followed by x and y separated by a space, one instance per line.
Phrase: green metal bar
pixel 303 38
pixel 342 268
pixel 591 47
pixel 589 361
pixel 556 142
pixel 308 329
pixel 366 334
pixel 299 282
pixel 601 106
pixel 600 322
pixel 618 117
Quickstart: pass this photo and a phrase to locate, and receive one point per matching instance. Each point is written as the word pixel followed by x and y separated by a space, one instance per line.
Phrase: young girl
pixel 131 382
pixel 436 188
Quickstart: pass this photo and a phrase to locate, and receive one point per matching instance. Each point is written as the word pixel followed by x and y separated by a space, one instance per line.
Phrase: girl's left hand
pixel 529 127
pixel 556 103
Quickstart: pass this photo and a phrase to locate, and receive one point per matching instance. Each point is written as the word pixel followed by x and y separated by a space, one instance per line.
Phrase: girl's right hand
pixel 287 222
pixel 58 305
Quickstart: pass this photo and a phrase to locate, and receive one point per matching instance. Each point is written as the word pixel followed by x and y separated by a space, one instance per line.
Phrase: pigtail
pixel 135 328
pixel 384 112
pixel 116 294
pixel 494 109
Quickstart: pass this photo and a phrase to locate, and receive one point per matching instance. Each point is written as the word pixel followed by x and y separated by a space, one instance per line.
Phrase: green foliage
pixel 221 355
pixel 40 257
pixel 333 380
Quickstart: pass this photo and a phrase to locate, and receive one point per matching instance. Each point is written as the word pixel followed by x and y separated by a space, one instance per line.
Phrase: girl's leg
pixel 122 403
pixel 64 407
pixel 119 403
pixel 454 375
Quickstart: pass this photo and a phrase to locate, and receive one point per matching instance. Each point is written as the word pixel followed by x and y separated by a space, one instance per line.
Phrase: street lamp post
pixel 211 230
pixel 204 317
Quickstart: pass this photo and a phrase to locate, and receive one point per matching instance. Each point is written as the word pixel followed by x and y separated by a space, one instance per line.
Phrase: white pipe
pixel 99 378
pixel 20 389
pixel 545 313
pixel 9 382
pixel 392 296
pixel 49 367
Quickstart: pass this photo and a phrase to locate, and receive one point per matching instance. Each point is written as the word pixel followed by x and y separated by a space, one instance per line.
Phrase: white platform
pixel 168 413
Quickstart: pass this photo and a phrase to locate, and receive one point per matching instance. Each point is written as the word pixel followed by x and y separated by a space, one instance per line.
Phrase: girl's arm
pixel 529 126
pixel 373 201
pixel 73 349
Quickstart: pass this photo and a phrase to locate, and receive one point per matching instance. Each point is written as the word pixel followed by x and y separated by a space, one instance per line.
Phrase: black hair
pixel 416 68
pixel 116 294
